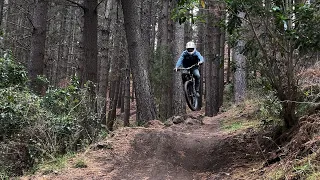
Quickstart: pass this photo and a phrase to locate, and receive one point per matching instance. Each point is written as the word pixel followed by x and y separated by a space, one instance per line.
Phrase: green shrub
pixel 270 106
pixel 33 133
pixel 18 110
pixel 34 128
pixel 75 119
pixel 12 73
pixel 161 67
pixel 80 164
pixel 310 96
pixel 62 100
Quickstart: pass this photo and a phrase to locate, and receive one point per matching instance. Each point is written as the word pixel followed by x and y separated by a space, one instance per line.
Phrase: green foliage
pixel 12 74
pixel 277 174
pixel 234 22
pixel 161 74
pixel 80 164
pixel 3 174
pixel 313 176
pixel 307 19
pixel 310 95
pixel 161 68
pixel 270 107
pixel 278 38
pixel 18 109
pixel 61 101
pixel 233 127
pixel 42 80
pixel 184 11
pixel 34 128
pixel 53 165
pixel 228 93
pixel 74 121
pixel 302 170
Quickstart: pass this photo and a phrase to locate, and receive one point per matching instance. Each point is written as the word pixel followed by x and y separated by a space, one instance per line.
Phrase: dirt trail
pixel 193 149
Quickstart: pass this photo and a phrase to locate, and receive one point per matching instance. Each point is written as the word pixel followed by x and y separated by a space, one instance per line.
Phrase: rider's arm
pixel 200 57
pixel 179 62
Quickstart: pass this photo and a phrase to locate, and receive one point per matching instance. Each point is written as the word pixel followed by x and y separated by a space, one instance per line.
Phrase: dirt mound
pixel 194 148
pixel 172 153
pixel 154 124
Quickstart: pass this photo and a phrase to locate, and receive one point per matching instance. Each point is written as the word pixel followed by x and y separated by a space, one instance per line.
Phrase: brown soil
pixel 195 148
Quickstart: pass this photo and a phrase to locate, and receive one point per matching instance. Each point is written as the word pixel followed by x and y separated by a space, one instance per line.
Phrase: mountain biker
pixel 189 57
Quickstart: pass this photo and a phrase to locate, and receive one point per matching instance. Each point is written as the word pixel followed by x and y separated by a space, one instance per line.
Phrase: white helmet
pixel 191 47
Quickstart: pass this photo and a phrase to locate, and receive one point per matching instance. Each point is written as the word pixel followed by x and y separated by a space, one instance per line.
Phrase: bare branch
pixel 23 26
pixel 24 37
pixel 20 43
pixel 274 36
pixel 79 5
pixel 300 102
pixel 31 22
pixel 98 5
pixel 256 36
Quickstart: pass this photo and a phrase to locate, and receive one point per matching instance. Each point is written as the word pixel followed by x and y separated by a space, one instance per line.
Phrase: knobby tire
pixel 191 98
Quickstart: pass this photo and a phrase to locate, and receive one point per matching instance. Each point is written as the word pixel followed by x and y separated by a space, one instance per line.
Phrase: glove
pixel 199 63
pixel 175 69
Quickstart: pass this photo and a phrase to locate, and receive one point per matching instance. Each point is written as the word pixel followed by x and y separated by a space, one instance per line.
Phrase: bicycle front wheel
pixel 191 98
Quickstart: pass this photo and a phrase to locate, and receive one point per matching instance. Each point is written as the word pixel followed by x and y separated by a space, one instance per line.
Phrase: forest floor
pixel 232 145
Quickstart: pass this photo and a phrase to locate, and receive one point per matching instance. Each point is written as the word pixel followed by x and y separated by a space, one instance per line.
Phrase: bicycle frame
pixel 187 75
pixel 190 92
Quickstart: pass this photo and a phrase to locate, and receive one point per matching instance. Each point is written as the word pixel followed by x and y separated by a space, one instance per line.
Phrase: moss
pixel 313 176
pixel 80 164
pixel 277 174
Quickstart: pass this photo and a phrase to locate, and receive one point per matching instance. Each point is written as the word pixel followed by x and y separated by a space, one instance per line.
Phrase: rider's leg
pixel 196 75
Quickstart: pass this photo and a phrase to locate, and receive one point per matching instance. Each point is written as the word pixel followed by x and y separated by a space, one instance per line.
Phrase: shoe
pixel 197 94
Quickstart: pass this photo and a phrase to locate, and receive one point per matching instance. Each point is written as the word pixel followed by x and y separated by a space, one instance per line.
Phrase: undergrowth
pixel 297 155
pixel 259 110
pixel 35 129
pixel 54 164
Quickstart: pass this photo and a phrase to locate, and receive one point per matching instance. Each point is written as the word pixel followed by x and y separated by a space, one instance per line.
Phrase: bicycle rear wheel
pixel 191 98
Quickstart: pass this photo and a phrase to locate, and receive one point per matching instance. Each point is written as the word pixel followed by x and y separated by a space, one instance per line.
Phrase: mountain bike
pixel 189 88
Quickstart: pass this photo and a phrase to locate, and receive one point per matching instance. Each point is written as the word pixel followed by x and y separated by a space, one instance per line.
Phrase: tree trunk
pixel 228 65
pixel 113 104
pixel 120 92
pixel 221 68
pixel 163 25
pixel 240 71
pixel 126 102
pixel 146 25
pixel 126 94
pixel 288 113
pixel 115 77
pixel 187 32
pixel 133 93
pixel 178 101
pixel 213 50
pixel 38 40
pixel 146 109
pixel 1 12
pixel 71 44
pixel 104 59
pixel 90 43
pixel 200 48
pixel 62 58
pixel 165 96
pixel 156 10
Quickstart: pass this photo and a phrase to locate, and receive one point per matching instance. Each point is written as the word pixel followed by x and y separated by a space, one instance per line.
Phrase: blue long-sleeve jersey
pixel 187 60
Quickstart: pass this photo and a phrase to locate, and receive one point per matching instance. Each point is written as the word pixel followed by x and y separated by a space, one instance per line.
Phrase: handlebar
pixel 188 68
